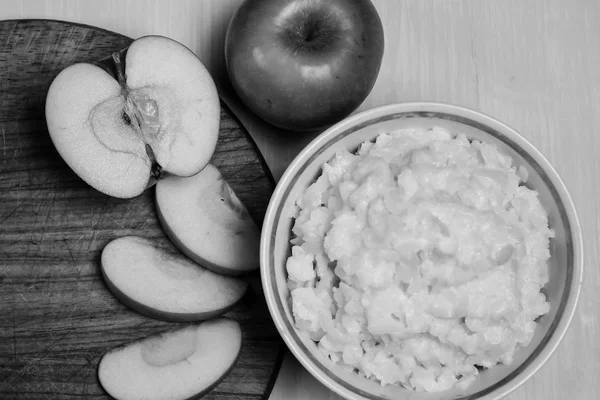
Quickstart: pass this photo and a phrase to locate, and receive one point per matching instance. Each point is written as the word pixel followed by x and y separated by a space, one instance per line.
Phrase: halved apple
pixel 205 219
pixel 161 112
pixel 179 364
pixel 166 285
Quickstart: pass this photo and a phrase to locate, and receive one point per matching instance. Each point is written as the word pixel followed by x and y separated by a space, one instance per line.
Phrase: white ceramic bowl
pixel 565 265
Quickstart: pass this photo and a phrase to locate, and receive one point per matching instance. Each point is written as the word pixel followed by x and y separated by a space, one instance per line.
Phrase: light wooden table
pixel 532 64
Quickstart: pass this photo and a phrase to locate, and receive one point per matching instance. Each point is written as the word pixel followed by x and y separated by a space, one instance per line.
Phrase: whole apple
pixel 304 64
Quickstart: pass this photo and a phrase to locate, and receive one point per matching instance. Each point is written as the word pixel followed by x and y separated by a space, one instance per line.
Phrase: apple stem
pixel 120 67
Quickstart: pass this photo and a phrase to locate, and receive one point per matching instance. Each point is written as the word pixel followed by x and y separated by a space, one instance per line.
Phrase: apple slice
pixel 179 364
pixel 166 285
pixel 205 219
pixel 160 112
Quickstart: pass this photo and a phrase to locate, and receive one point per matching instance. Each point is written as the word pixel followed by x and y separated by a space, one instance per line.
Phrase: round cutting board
pixel 57 317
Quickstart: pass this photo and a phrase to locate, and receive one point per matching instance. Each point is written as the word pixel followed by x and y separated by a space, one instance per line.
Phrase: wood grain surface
pixel 57 317
pixel 533 64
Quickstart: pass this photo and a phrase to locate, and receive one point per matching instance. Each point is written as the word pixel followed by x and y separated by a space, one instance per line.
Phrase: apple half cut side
pixel 175 365
pixel 161 112
pixel 205 219
pixel 166 285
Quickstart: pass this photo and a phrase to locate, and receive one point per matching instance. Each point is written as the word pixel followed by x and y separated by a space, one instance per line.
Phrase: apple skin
pixel 120 390
pixel 304 65
pixel 163 284
pixel 159 314
pixel 222 237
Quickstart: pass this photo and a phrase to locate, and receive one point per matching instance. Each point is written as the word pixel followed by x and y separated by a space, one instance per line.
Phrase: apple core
pixel 140 112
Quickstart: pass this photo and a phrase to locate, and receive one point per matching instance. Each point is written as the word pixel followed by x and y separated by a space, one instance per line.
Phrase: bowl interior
pixel 307 167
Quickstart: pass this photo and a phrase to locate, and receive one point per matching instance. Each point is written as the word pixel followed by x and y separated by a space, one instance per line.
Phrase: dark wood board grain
pixel 57 317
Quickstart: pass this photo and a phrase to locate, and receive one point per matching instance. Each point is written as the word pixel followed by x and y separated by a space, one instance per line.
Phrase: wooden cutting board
pixel 57 317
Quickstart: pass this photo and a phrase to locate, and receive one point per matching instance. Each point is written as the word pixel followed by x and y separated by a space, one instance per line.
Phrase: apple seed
pixel 126 118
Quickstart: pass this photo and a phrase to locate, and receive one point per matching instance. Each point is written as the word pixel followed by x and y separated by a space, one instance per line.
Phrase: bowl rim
pixel 426 107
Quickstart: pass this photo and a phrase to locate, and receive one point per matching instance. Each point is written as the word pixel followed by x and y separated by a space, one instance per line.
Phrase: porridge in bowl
pixel 419 259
